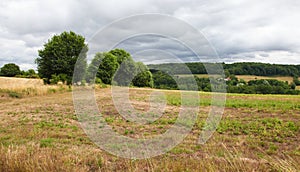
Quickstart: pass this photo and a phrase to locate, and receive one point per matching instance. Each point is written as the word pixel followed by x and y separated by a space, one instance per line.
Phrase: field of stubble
pixel 256 133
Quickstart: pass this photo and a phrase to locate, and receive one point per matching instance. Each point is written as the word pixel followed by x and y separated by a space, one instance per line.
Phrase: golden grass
pixel 253 77
pixel 33 158
pixel 42 133
pixel 28 87
pixel 15 83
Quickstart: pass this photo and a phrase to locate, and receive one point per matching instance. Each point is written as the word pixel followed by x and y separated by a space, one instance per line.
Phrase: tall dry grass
pixel 16 83
pixel 34 158
pixel 18 87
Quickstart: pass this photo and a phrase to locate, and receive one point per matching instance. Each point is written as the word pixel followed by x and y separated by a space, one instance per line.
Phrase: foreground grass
pixel 257 133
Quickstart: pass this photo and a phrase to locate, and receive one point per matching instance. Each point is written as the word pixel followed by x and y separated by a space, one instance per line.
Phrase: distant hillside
pixel 247 68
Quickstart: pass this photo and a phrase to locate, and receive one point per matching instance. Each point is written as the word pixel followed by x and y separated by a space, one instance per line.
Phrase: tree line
pixel 67 51
pixel 12 70
pixel 64 52
pixel 245 68
pixel 163 80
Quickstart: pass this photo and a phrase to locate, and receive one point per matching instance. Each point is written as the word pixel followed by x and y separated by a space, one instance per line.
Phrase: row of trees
pixel 247 68
pixel 64 53
pixel 262 69
pixel 11 70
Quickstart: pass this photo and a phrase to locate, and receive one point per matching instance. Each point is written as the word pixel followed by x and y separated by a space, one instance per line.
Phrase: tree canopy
pixel 117 67
pixel 107 67
pixel 59 56
pixel 10 70
pixel 245 68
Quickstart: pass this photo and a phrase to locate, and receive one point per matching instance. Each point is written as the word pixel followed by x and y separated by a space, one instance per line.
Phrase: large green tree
pixel 10 70
pixel 59 56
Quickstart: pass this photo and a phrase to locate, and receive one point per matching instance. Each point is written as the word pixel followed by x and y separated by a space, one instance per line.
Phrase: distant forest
pixel 167 76
pixel 247 68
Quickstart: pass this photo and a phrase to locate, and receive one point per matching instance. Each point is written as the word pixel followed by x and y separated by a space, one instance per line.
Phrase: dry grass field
pixel 15 83
pixel 18 87
pixel 251 77
pixel 256 133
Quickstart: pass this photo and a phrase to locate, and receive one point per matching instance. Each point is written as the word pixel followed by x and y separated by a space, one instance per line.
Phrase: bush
pixel 293 86
pixel 98 81
pixel 28 74
pixel 59 78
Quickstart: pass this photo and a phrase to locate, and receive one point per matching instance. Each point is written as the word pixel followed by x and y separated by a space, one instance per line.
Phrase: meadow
pixel 39 131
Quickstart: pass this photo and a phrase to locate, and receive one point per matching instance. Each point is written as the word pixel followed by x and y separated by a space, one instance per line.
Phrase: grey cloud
pixel 234 28
pixel 264 55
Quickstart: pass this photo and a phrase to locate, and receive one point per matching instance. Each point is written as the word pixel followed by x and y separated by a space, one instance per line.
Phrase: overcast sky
pixel 252 30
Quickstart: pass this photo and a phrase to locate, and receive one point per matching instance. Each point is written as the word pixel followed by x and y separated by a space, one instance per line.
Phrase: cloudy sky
pixel 252 30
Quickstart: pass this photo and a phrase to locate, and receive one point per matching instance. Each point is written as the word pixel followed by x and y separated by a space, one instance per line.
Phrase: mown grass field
pixel 257 133
pixel 251 77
